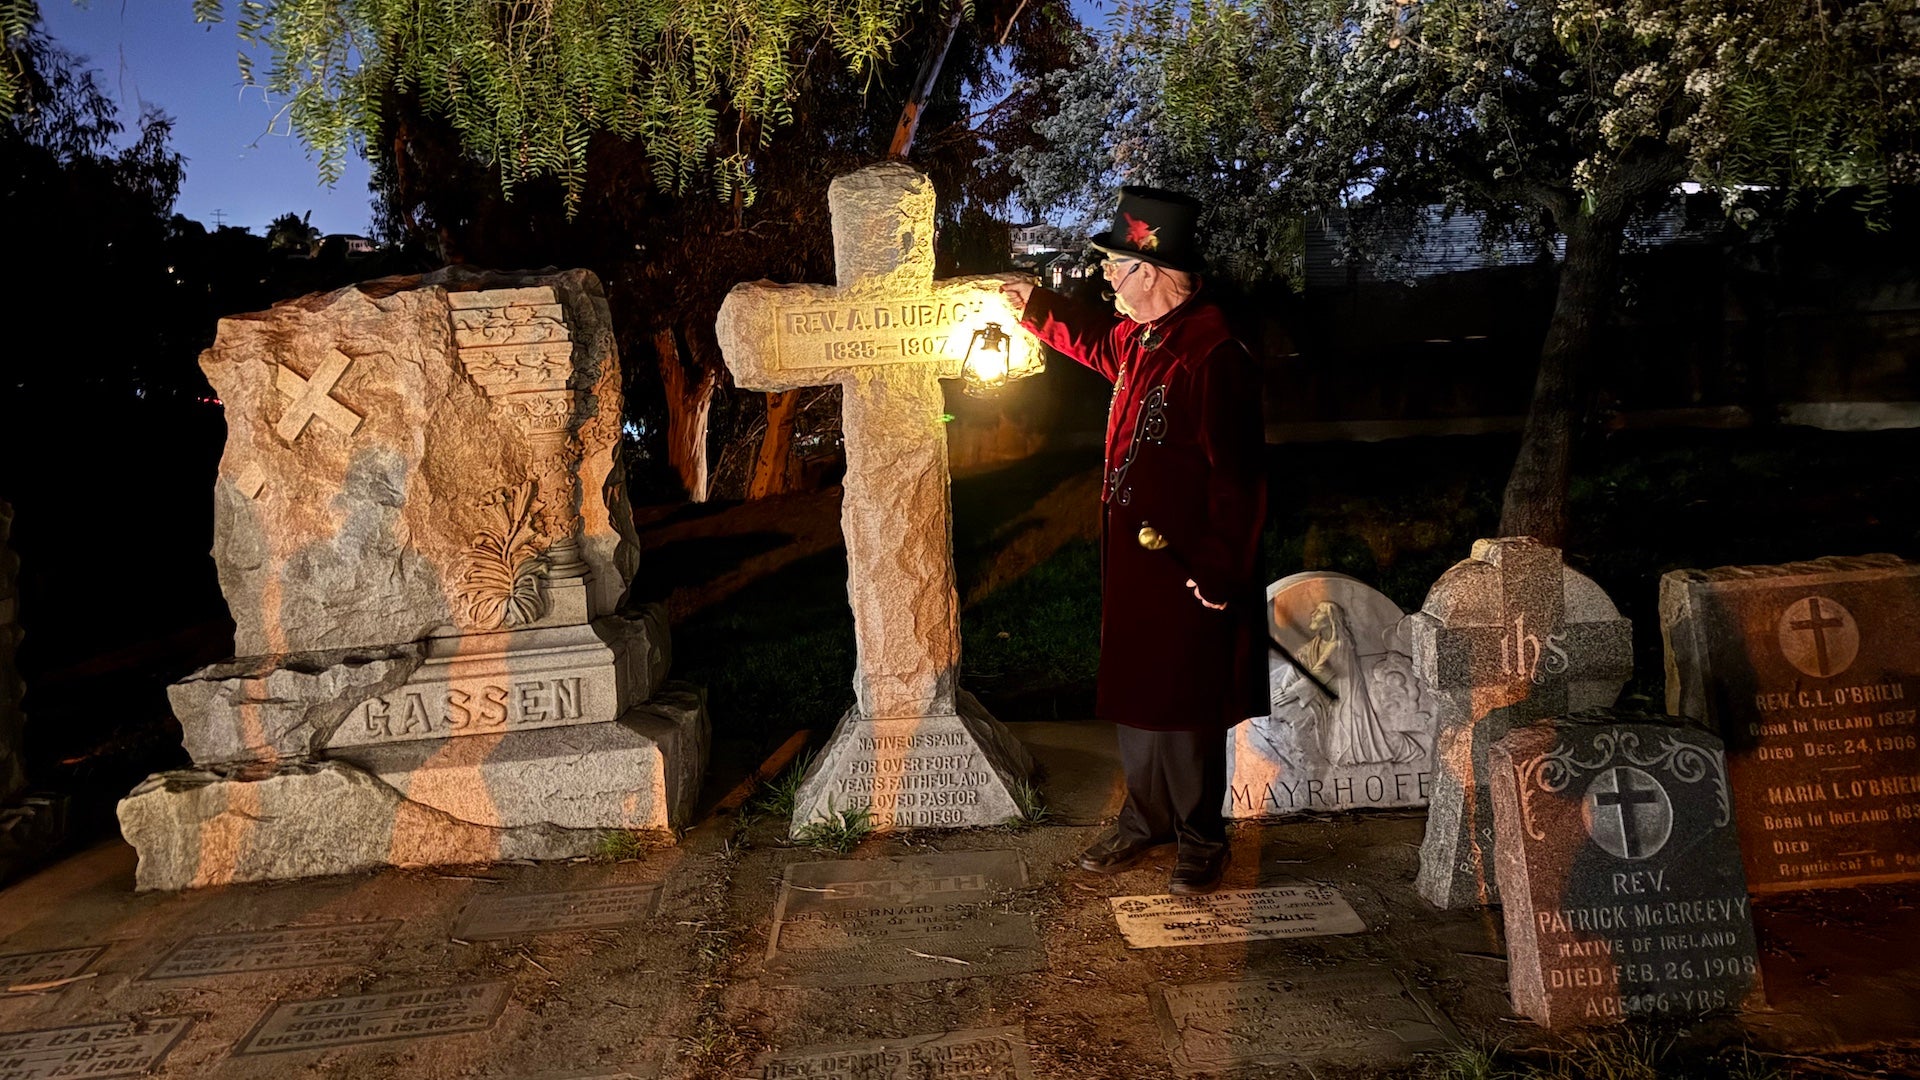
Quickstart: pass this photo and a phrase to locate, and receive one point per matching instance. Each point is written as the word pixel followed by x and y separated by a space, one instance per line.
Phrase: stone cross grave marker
pixel 1508 636
pixel 914 750
pixel 1619 871
pixel 1810 672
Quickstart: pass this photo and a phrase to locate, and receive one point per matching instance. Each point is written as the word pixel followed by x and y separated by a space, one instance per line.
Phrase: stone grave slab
pixel 122 1048
pixel 1350 725
pixel 1811 673
pixel 1505 637
pixel 330 1023
pixel 489 917
pixel 981 1054
pixel 871 922
pixel 1326 1020
pixel 45 966
pixel 886 332
pixel 1620 873
pixel 243 951
pixel 1234 915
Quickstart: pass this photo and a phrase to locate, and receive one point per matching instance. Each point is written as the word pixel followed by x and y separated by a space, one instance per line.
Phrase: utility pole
pixel 219 219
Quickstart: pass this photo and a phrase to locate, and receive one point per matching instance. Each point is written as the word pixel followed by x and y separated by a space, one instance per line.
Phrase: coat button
pixel 1150 538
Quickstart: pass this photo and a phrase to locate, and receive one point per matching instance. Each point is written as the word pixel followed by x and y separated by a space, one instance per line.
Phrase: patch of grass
pixel 1623 1055
pixel 775 799
pixel 1041 631
pixel 619 845
pixel 839 834
pixel 1466 1063
pixel 1032 807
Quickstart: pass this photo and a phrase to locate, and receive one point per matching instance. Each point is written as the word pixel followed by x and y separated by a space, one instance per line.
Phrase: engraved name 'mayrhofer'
pixel 490 708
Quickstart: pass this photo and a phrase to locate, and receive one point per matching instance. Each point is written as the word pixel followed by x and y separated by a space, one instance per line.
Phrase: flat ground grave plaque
pixel 489 917
pixel 244 951
pixel 123 1048
pixel 50 965
pixel 869 922
pixel 1339 1020
pixel 326 1023
pixel 1288 911
pixel 985 1054
pixel 1811 673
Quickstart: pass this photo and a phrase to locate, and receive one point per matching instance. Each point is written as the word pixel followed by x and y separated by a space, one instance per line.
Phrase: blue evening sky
pixel 240 160
pixel 151 52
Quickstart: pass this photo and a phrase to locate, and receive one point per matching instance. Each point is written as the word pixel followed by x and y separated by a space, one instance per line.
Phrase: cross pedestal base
pixel 951 771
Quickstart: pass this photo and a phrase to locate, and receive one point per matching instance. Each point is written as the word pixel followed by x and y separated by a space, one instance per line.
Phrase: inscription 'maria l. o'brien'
pixel 1812 671
pixel 877 332
pixel 430 713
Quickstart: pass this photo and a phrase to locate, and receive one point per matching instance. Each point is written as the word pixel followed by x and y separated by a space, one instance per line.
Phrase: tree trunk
pixel 688 402
pixel 1536 498
pixel 773 472
pixel 929 73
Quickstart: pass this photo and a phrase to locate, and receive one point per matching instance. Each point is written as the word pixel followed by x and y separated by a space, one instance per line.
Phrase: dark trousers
pixel 1176 783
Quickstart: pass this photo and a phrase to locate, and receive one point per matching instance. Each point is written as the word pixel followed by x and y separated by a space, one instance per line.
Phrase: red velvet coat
pixel 1184 449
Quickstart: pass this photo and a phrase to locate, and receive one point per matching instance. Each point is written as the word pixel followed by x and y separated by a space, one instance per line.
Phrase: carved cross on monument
pixel 1506 637
pixel 914 751
pixel 313 397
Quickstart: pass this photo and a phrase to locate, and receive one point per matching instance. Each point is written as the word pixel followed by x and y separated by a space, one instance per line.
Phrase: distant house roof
pixel 1450 244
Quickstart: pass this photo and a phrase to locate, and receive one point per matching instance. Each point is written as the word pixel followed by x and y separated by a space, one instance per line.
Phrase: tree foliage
pixel 697 83
pixel 1274 109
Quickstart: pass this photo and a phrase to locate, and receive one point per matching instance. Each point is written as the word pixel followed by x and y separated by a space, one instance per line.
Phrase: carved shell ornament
pixel 503 575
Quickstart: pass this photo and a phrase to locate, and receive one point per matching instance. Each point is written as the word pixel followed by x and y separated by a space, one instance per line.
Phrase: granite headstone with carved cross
pixel 1619 871
pixel 1811 673
pixel 914 751
pixel 422 534
pixel 1507 636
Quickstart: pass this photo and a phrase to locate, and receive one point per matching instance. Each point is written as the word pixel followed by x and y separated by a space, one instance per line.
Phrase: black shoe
pixel 1194 875
pixel 1113 853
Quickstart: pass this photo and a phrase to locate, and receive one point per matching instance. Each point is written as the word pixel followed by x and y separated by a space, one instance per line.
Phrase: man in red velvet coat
pixel 1183 621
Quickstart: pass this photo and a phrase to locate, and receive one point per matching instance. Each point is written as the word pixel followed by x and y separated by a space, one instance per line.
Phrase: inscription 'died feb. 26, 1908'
pixel 914 779
pixel 876 332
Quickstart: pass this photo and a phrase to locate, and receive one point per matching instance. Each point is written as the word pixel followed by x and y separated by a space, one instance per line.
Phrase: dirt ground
pixel 686 992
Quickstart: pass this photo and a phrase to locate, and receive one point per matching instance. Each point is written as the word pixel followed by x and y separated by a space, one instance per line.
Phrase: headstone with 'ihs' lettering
pixel 1508 636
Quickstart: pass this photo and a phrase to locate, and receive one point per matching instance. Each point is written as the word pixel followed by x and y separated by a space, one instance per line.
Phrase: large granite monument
pixel 915 750
pixel 1619 871
pixel 1351 726
pixel 1811 673
pixel 422 534
pixel 1507 636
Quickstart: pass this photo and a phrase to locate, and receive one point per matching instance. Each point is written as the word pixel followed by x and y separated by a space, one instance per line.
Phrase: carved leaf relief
pixel 503 575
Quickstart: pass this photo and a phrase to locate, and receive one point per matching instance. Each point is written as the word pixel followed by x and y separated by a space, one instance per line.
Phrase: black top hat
pixel 1155 226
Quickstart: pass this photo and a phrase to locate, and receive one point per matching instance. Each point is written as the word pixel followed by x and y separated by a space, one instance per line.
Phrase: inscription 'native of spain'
pixel 314 397
pixel 886 333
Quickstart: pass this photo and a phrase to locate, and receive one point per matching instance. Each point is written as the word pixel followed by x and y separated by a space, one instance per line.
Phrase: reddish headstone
pixel 1811 673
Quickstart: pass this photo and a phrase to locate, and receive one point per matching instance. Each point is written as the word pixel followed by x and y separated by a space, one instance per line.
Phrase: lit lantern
pixel 995 358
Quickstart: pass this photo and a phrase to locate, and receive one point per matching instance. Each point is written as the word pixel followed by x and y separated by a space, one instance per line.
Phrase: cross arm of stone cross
pixel 885 311
pixel 783 337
